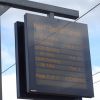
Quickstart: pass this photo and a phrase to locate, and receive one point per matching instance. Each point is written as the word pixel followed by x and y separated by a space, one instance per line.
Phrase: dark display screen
pixel 57 57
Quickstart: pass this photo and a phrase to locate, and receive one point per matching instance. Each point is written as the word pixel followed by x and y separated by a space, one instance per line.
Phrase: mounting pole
pixel 51 15
pixel 0 65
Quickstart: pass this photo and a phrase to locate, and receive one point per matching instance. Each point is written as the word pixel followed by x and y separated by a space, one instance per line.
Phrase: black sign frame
pixel 21 70
pixel 31 71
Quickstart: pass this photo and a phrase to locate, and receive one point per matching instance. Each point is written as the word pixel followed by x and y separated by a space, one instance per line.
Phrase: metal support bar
pixel 0 65
pixel 51 15
pixel 41 8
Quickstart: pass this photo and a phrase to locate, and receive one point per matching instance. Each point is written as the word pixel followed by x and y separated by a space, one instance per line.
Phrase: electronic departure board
pixel 57 57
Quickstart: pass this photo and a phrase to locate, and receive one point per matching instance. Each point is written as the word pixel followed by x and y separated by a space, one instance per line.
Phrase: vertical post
pixel 0 65
pixel 51 15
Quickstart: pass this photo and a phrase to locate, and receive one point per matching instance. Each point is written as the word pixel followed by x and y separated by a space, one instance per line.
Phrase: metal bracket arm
pixel 41 8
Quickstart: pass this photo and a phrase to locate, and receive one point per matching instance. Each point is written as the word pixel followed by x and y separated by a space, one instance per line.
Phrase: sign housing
pixel 57 57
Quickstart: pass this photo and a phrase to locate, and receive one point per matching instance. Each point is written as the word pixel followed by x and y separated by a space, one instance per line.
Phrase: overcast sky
pixel 8 40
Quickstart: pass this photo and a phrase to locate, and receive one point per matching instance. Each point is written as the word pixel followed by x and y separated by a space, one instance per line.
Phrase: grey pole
pixel 0 65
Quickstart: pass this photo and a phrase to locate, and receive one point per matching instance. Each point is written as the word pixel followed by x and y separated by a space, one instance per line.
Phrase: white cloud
pixel 9 87
pixel 7 57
